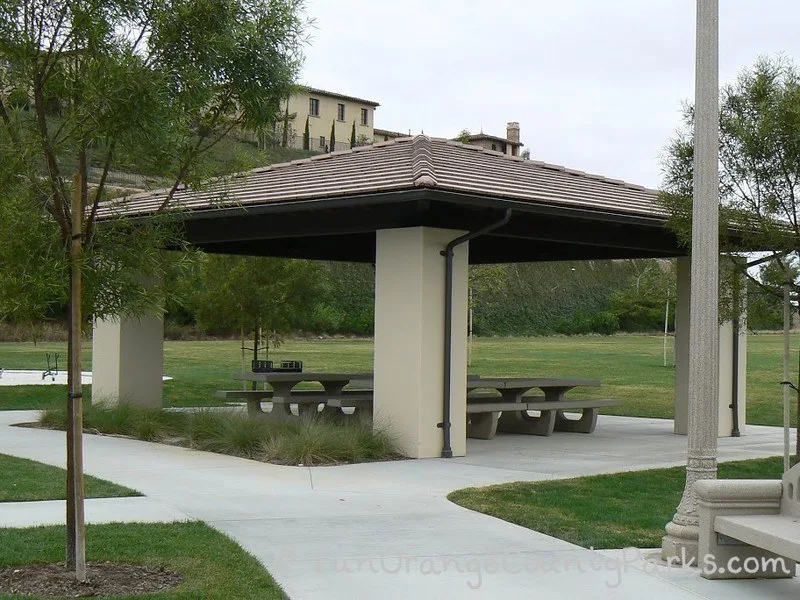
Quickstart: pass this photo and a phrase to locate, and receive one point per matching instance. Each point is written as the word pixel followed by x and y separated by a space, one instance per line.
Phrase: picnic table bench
pixel 504 406
pixel 283 395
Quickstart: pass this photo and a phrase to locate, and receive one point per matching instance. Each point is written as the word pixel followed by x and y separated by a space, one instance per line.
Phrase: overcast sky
pixel 596 85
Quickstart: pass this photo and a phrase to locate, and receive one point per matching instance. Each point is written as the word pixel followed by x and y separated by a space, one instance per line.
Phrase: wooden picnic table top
pixel 303 376
pixel 519 383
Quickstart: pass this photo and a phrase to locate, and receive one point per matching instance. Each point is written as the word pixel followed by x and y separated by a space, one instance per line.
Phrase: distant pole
pixel 666 328
pixel 469 345
pixel 787 322
pixel 681 541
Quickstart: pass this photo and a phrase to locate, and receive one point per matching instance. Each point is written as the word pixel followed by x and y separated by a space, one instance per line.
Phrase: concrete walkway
pixel 386 531
pixel 98 510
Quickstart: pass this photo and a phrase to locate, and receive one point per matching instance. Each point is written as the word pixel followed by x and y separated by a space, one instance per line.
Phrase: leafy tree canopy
pixel 254 293
pixel 92 86
pixel 759 163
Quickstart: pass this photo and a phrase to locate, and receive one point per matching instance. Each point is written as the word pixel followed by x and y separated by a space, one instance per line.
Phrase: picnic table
pixel 504 406
pixel 282 393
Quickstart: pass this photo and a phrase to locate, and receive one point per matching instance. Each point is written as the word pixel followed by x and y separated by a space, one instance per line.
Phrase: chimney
pixel 512 131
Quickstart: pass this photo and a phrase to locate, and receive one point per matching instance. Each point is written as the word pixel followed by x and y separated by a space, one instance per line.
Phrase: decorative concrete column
pixel 726 362
pixel 409 339
pixel 681 541
pixel 128 361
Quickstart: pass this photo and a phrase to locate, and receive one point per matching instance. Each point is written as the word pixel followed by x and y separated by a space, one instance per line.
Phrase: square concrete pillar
pixel 725 400
pixel 409 339
pixel 726 377
pixel 683 271
pixel 128 361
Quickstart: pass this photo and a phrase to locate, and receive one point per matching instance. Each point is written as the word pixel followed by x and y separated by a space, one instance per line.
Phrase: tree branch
pixel 196 151
pixel 98 194
pixel 60 208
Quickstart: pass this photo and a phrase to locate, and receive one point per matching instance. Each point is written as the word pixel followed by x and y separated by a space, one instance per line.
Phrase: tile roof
pixel 406 164
pixel 312 90
pixel 390 133
pixel 474 137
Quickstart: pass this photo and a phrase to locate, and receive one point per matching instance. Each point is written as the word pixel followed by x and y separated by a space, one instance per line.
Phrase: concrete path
pixel 386 531
pixel 98 510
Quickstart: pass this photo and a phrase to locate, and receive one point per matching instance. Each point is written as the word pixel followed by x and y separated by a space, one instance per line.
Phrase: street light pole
pixel 681 542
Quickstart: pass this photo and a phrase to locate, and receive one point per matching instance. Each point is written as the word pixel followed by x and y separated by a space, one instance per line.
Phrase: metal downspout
pixel 447 450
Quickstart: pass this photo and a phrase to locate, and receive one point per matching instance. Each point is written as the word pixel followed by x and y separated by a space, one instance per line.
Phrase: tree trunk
pixel 75 397
pixel 70 516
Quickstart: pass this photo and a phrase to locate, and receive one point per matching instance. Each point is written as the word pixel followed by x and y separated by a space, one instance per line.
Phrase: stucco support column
pixel 682 533
pixel 726 361
pixel 683 276
pixel 128 361
pixel 726 376
pixel 409 338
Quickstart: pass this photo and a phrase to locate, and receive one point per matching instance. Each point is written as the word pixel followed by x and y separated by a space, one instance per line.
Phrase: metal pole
pixel 469 345
pixel 736 326
pixel 786 418
pixel 666 327
pixel 447 450
pixel 681 541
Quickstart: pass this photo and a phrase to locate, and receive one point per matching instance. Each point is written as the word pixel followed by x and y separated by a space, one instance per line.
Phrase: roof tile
pixel 406 163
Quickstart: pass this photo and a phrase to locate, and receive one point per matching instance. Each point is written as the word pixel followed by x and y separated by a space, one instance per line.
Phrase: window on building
pixel 494 146
pixel 340 112
pixel 364 116
pixel 313 107
pixel 322 142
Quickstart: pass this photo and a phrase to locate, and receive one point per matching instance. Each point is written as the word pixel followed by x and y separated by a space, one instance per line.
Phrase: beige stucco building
pixel 509 145
pixel 325 110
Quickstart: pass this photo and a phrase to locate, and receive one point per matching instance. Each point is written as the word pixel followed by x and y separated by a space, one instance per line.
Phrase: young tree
pixel 285 139
pixel 150 85
pixel 353 140
pixel 256 293
pixel 333 136
pixel 464 136
pixel 759 172
pixel 307 137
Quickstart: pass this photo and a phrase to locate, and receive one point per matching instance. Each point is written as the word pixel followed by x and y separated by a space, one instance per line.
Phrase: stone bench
pixel 750 524
pixel 307 401
pixel 487 415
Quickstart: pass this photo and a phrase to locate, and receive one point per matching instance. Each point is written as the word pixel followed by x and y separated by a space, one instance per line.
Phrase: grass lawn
pixel 602 511
pixel 25 480
pixel 630 367
pixel 213 566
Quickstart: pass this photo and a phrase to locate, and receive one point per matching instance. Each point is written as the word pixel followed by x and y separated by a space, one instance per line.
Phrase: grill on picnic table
pixel 286 366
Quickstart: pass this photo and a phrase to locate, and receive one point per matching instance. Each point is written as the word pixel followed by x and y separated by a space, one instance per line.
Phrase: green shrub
pixel 580 323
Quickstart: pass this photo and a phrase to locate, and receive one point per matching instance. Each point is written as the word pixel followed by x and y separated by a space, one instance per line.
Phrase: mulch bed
pixel 103 579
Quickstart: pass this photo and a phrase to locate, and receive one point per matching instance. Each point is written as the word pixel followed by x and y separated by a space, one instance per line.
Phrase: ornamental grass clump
pixel 123 419
pixel 226 433
pixel 320 439
pixel 324 441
